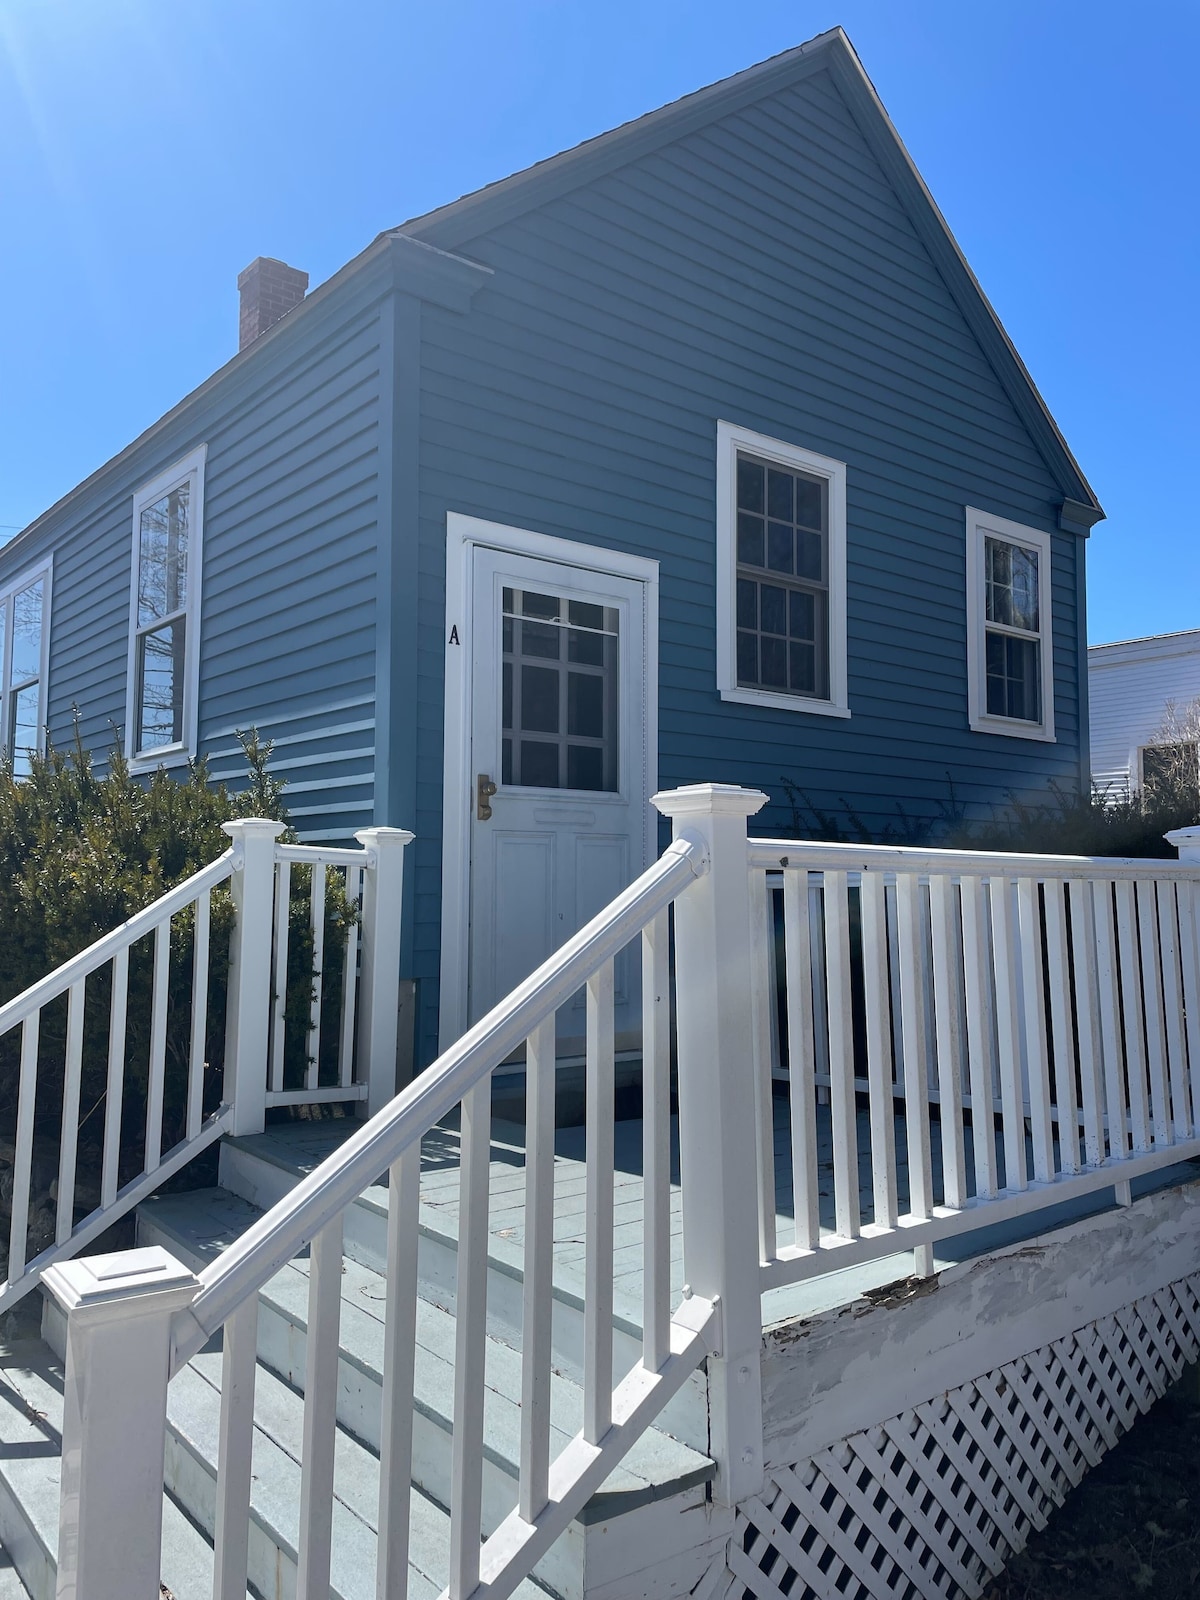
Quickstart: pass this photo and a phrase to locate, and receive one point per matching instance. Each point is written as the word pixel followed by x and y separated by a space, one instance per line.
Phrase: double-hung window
pixel 1009 641
pixel 165 614
pixel 24 656
pixel 781 574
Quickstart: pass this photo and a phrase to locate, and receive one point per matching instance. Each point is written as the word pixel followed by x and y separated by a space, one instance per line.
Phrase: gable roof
pixel 436 235
pixel 452 226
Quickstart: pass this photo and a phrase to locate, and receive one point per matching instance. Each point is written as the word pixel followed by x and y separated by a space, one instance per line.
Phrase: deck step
pixel 31 1405
pixel 196 1226
pixel 263 1168
pixel 30 1442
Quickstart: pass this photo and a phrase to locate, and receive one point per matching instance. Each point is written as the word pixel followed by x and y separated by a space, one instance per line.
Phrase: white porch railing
pixel 1049 1002
pixel 1025 1029
pixel 89 1000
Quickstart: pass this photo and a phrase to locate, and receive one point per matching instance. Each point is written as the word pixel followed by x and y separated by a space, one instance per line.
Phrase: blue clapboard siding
pixel 287 635
pixel 761 270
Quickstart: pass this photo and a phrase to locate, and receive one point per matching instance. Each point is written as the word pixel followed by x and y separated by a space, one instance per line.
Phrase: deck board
pixel 303 1145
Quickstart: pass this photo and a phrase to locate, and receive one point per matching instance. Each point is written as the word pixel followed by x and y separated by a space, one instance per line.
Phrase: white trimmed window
pixel 24 662
pixel 781 574
pixel 164 625
pixel 1010 672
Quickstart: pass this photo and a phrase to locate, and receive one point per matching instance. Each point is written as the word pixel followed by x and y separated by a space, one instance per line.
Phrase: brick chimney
pixel 269 290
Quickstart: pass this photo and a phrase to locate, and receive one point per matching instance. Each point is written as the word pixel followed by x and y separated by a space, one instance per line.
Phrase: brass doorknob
pixel 484 790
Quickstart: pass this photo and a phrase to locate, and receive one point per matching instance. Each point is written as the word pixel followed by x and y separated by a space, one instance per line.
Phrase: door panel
pixel 558 726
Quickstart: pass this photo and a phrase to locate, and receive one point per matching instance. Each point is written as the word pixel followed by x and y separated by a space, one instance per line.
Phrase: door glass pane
pixel 560 710
pixel 27 634
pixel 163 556
pixel 160 687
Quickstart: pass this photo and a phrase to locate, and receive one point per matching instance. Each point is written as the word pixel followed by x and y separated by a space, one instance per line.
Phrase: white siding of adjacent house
pixel 1130 686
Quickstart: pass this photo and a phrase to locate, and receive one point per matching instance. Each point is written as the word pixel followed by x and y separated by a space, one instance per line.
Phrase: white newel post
pixel 379 978
pixel 717 1136
pixel 1187 842
pixel 248 1017
pixel 119 1312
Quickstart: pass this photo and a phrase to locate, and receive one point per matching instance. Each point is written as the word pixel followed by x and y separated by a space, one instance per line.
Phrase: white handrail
pixel 140 924
pixel 247 1264
pixel 774 853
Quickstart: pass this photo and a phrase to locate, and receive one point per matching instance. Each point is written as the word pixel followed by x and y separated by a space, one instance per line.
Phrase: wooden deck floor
pixel 302 1145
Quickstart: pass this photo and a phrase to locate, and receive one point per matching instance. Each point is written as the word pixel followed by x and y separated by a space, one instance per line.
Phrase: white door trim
pixel 463 536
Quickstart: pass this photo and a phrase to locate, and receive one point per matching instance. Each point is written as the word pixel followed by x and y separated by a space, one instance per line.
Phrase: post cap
pixel 1186 841
pixel 260 827
pixel 128 1283
pixel 369 837
pixel 709 800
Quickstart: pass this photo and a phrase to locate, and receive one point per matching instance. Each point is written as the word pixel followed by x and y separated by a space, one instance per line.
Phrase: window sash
pixel 167 563
pixel 15 691
pixel 1010 663
pixel 794 530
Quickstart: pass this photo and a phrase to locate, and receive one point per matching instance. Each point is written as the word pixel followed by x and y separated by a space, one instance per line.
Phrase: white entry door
pixel 559 767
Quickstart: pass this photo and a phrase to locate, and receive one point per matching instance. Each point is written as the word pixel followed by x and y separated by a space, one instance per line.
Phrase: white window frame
pixel 8 589
pixel 980 526
pixel 189 470
pixel 730 439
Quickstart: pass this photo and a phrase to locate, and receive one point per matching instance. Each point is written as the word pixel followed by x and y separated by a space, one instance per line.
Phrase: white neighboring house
pixel 1132 687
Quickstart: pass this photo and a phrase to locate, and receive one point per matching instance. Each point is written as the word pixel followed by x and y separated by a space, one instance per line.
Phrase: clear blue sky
pixel 149 149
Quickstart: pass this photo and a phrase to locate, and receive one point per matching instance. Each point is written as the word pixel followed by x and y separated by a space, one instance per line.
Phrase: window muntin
pixel 1009 644
pixel 781 574
pixel 24 621
pixel 161 642
pixel 165 612
pixel 559 695
pixel 782 579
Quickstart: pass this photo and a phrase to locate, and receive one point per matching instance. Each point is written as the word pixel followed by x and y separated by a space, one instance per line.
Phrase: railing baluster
pixel 195 1100
pixel 1087 1019
pixel 656 1142
pixel 317 911
pixel 399 1362
pixel 1110 1018
pixel 1152 1000
pixel 282 925
pixel 1037 1064
pixel 943 913
pixel 114 1096
pixel 1131 1008
pixel 470 1350
pixel 235 1449
pixel 18 1234
pixel 979 1051
pixel 1189 959
pixel 598 1263
pixel 802 1106
pixel 350 981
pixel 537 1303
pixel 762 945
pixel 1058 967
pixel 321 1354
pixel 69 1138
pixel 843 1108
pixel 912 1022
pixel 1168 943
pixel 1008 1032
pixel 158 1045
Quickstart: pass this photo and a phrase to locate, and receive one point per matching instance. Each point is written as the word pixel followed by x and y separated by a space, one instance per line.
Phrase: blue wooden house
pixel 696 452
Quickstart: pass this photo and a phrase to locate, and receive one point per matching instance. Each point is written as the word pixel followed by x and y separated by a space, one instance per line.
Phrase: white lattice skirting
pixel 935 1501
